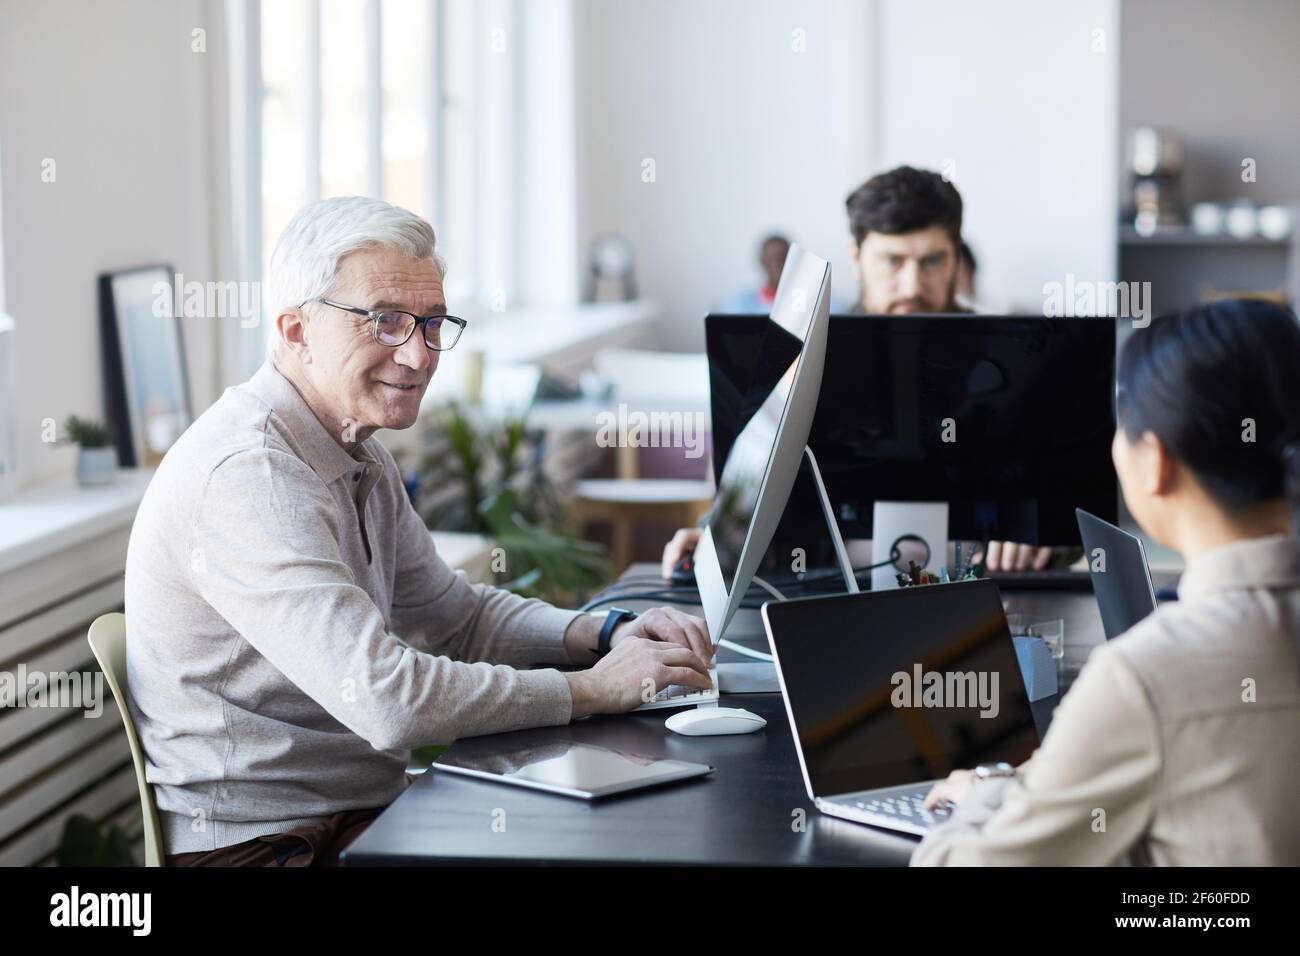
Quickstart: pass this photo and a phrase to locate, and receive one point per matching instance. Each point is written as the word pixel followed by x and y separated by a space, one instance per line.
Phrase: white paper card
pixel 891 520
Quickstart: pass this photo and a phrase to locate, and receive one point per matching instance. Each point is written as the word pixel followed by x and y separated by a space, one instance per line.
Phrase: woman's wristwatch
pixel 986 771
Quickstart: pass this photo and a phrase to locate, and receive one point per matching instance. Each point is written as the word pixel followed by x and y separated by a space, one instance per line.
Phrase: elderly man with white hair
pixel 291 632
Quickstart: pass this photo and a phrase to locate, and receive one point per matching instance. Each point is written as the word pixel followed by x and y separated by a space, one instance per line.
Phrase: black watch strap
pixel 615 617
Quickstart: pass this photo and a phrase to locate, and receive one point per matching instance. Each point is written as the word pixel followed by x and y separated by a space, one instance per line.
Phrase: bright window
pixel 381 98
pixel 459 110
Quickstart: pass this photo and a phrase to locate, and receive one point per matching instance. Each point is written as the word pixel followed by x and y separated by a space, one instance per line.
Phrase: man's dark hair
pixel 904 200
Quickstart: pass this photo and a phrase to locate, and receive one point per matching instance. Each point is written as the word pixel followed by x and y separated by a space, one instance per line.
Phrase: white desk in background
pixel 563 341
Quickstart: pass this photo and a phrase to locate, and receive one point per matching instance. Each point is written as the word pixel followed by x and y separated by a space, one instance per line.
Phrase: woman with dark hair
pixel 1180 741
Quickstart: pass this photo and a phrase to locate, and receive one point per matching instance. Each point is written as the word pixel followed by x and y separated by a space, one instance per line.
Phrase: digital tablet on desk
pixel 572 769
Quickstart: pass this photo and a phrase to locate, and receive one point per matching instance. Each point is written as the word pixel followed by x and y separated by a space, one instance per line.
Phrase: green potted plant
pixel 96 453
pixel 88 843
pixel 504 495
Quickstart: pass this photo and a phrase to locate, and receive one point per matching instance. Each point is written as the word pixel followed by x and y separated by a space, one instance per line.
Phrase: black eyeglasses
pixel 392 327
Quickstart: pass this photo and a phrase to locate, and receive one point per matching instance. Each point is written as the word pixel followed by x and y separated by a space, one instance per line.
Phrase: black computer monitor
pixel 1009 419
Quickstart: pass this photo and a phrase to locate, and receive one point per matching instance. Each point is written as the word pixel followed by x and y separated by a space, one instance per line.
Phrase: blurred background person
pixel 771 258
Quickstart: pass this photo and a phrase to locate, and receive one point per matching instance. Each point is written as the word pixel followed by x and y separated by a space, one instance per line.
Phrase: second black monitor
pixel 1009 419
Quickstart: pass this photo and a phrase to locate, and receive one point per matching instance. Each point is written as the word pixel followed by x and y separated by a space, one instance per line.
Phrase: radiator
pixel 55 763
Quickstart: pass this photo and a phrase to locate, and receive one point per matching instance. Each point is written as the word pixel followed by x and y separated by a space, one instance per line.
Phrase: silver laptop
pixel 889 691
pixel 764 460
pixel 1121 578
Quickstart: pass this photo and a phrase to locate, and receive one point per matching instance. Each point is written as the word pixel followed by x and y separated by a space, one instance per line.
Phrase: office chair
pixel 108 642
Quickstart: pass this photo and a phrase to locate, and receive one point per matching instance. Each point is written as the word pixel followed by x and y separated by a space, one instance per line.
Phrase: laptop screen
pixel 894 687
pixel 1120 576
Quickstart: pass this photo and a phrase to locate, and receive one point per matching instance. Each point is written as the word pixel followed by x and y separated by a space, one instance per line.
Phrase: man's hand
pixel 671 626
pixel 1010 556
pixel 953 790
pixel 682 543
pixel 632 673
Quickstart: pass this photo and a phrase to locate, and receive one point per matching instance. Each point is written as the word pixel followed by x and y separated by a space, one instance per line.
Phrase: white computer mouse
pixel 707 721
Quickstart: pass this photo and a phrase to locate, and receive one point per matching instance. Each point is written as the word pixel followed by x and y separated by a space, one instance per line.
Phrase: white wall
pixel 1013 93
pixel 112 92
pixel 746 134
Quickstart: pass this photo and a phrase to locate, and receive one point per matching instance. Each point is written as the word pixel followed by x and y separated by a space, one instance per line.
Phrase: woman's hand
pixel 953 790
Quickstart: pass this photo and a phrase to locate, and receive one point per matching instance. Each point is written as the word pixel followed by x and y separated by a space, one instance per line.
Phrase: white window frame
pixel 247 96
pixel 521 205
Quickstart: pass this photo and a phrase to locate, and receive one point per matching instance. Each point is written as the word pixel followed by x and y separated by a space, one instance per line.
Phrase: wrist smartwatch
pixel 615 617
pixel 986 771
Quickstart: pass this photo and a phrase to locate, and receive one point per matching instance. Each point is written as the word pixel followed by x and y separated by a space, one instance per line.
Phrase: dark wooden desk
pixel 753 811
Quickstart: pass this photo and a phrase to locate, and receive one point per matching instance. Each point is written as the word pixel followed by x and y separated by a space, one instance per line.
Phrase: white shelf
pixel 60 515
pixel 1186 236
pixel 544 335
pixel 560 340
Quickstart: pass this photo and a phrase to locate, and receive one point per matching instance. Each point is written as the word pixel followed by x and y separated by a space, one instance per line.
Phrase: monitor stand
pixel 752 677
pixel 837 541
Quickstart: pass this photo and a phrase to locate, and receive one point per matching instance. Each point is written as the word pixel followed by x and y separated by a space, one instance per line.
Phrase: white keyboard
pixel 679 695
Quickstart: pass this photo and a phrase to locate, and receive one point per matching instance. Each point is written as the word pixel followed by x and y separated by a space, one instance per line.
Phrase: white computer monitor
pixel 765 459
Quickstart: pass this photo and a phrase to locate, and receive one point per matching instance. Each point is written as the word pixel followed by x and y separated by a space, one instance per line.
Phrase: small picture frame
pixel 145 380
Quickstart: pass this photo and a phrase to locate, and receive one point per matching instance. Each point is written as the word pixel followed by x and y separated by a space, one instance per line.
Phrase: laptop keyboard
pixel 908 805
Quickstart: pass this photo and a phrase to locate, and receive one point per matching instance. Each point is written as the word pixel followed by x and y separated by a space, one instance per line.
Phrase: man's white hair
pixel 305 262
